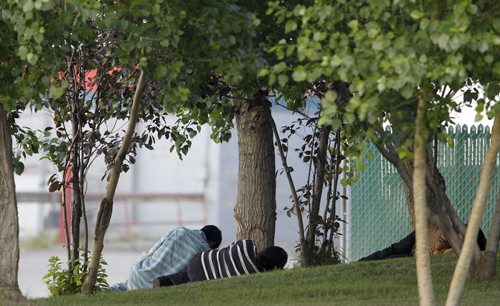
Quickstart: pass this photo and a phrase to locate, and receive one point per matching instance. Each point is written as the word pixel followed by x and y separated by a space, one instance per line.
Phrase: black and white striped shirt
pixel 235 260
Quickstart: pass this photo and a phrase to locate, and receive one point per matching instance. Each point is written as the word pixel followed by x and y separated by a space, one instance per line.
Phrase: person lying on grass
pixel 239 258
pixel 436 243
pixel 170 255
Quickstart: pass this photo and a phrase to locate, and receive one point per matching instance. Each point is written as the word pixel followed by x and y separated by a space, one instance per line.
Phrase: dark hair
pixel 272 258
pixel 481 240
pixel 212 233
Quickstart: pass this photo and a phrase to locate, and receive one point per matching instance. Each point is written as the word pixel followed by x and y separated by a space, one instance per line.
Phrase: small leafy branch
pixel 61 281
pixel 321 153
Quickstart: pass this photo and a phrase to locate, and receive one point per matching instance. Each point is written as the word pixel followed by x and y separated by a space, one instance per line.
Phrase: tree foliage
pixel 369 61
pixel 392 55
pixel 34 35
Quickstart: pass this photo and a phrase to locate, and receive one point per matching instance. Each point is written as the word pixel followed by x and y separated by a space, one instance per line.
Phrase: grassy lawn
pixel 386 282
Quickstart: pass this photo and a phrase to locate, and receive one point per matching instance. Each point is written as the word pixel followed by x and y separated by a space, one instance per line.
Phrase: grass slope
pixel 385 282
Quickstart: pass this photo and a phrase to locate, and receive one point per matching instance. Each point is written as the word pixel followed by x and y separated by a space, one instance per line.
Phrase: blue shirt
pixel 169 255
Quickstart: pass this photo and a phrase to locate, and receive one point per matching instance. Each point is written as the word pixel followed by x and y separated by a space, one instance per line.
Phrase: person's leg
pixel 398 249
pixel 118 287
pixel 382 254
pixel 171 280
pixel 404 246
pixel 195 270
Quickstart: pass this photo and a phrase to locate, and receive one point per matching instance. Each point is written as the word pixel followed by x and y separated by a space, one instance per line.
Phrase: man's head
pixel 213 235
pixel 444 247
pixel 272 258
pixel 481 239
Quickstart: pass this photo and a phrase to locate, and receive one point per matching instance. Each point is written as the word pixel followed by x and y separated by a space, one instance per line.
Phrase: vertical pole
pixel 179 211
pixel 128 234
pixel 65 214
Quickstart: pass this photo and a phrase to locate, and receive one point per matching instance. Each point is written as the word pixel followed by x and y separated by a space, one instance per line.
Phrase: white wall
pixel 34 179
pixel 210 169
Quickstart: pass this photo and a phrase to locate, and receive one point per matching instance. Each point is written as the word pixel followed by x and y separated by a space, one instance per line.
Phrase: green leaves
pixel 28 6
pixel 441 39
pixel 290 26
pixel 32 58
pixel 397 47
pixel 299 74
pixel 417 14
pixel 64 281
pixel 22 52
pixel 492 90
pixel 57 90
pixel 390 54
pixel 353 25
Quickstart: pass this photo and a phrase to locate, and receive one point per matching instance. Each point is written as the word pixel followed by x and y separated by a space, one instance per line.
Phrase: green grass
pixel 386 282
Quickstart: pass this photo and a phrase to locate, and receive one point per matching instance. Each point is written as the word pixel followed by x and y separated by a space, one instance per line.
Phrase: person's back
pixel 239 258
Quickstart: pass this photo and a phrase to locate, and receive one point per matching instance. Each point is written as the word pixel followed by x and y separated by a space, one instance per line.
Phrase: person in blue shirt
pixel 170 255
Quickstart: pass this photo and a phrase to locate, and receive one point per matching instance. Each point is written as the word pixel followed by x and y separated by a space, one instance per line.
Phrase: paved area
pixel 33 266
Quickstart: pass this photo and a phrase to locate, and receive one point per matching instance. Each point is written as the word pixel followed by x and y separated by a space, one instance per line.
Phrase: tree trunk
pixel 9 225
pixel 76 204
pixel 64 206
pixel 466 256
pixel 106 208
pixel 441 212
pixel 424 276
pixel 410 204
pixel 255 210
pixel 487 264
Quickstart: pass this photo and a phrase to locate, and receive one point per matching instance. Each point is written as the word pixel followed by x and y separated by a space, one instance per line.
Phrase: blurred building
pixel 160 191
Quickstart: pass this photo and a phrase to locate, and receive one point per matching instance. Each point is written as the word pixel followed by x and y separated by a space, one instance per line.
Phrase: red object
pixel 66 195
pixel 90 81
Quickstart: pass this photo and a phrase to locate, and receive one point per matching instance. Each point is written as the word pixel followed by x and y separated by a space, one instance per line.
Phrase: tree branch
pixel 465 260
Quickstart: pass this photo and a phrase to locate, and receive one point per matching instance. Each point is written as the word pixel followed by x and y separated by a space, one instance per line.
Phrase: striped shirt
pixel 436 242
pixel 169 255
pixel 235 260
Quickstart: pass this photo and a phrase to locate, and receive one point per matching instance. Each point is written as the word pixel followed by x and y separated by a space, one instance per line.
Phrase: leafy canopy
pixel 35 35
pixel 392 53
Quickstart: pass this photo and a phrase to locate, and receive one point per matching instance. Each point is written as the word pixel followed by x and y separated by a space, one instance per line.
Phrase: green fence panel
pixel 379 211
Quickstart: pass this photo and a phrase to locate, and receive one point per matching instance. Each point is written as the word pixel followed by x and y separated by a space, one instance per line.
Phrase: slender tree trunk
pixel 332 188
pixel 106 208
pixel 74 157
pixel 488 263
pixel 255 210
pixel 466 256
pixel 424 276
pixel 319 182
pixel 64 206
pixel 76 204
pixel 9 225
pixel 296 203
pixel 86 229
